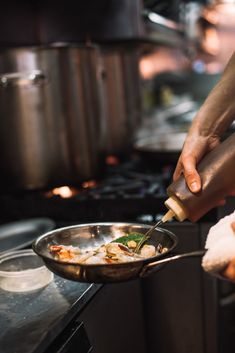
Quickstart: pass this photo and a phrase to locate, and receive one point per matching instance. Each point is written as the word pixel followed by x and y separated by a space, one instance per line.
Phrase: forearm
pixel 218 110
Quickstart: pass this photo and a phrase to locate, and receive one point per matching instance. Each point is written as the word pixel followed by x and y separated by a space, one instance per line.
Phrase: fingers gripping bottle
pixel 217 172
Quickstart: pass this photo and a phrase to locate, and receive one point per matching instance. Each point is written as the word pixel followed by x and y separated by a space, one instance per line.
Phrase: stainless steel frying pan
pixel 90 236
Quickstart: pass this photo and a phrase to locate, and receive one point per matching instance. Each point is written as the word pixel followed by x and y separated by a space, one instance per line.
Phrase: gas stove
pixel 128 190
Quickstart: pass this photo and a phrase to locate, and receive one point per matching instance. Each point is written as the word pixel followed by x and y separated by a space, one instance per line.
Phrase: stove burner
pixel 123 181
pixel 128 192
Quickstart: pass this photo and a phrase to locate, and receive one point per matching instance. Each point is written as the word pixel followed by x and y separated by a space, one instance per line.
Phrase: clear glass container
pixel 23 271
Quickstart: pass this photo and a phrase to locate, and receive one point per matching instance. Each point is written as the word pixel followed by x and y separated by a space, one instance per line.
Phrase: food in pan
pixel 120 250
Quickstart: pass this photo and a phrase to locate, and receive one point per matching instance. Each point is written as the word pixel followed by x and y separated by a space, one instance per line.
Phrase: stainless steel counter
pixel 30 322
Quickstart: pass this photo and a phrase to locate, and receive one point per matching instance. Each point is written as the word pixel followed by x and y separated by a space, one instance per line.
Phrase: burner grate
pixel 128 192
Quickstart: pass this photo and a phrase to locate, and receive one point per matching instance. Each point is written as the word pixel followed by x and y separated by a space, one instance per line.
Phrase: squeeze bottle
pixel 217 172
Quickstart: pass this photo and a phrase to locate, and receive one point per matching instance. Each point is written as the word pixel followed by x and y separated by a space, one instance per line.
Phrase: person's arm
pixel 211 121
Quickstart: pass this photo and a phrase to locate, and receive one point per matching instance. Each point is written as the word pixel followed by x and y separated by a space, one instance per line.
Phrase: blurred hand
pixel 229 271
pixel 194 149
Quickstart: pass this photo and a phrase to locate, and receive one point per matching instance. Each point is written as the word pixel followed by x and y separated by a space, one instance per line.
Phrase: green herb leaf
pixel 137 237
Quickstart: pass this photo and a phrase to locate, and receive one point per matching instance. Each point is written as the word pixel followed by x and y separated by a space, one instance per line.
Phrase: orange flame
pixel 89 184
pixel 64 192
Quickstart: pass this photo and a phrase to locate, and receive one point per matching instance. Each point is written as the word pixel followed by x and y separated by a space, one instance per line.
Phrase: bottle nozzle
pixel 176 208
pixel 169 215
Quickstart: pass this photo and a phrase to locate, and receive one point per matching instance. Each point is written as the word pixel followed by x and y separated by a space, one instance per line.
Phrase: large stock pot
pixel 121 84
pixel 49 115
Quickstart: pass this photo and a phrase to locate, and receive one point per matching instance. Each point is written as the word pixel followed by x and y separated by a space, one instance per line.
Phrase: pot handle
pixel 34 77
pixel 153 266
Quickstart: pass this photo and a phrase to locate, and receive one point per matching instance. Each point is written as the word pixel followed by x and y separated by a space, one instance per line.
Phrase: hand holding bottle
pixel 217 172
pixel 195 147
pixel 211 121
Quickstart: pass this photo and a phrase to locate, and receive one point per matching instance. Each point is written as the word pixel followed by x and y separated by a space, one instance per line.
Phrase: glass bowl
pixel 23 271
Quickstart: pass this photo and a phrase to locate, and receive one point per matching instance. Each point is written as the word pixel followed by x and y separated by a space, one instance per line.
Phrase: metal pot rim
pixel 51 46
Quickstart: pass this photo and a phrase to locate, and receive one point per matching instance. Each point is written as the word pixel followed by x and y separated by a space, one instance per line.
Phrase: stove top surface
pixel 131 190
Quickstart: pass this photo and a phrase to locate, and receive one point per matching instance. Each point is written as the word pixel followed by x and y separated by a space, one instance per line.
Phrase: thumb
pixel 191 175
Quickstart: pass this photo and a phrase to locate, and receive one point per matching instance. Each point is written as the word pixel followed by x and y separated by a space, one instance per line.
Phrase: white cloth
pixel 220 245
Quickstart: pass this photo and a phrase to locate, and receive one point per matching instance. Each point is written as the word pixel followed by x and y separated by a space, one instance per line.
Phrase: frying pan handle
pixel 153 266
